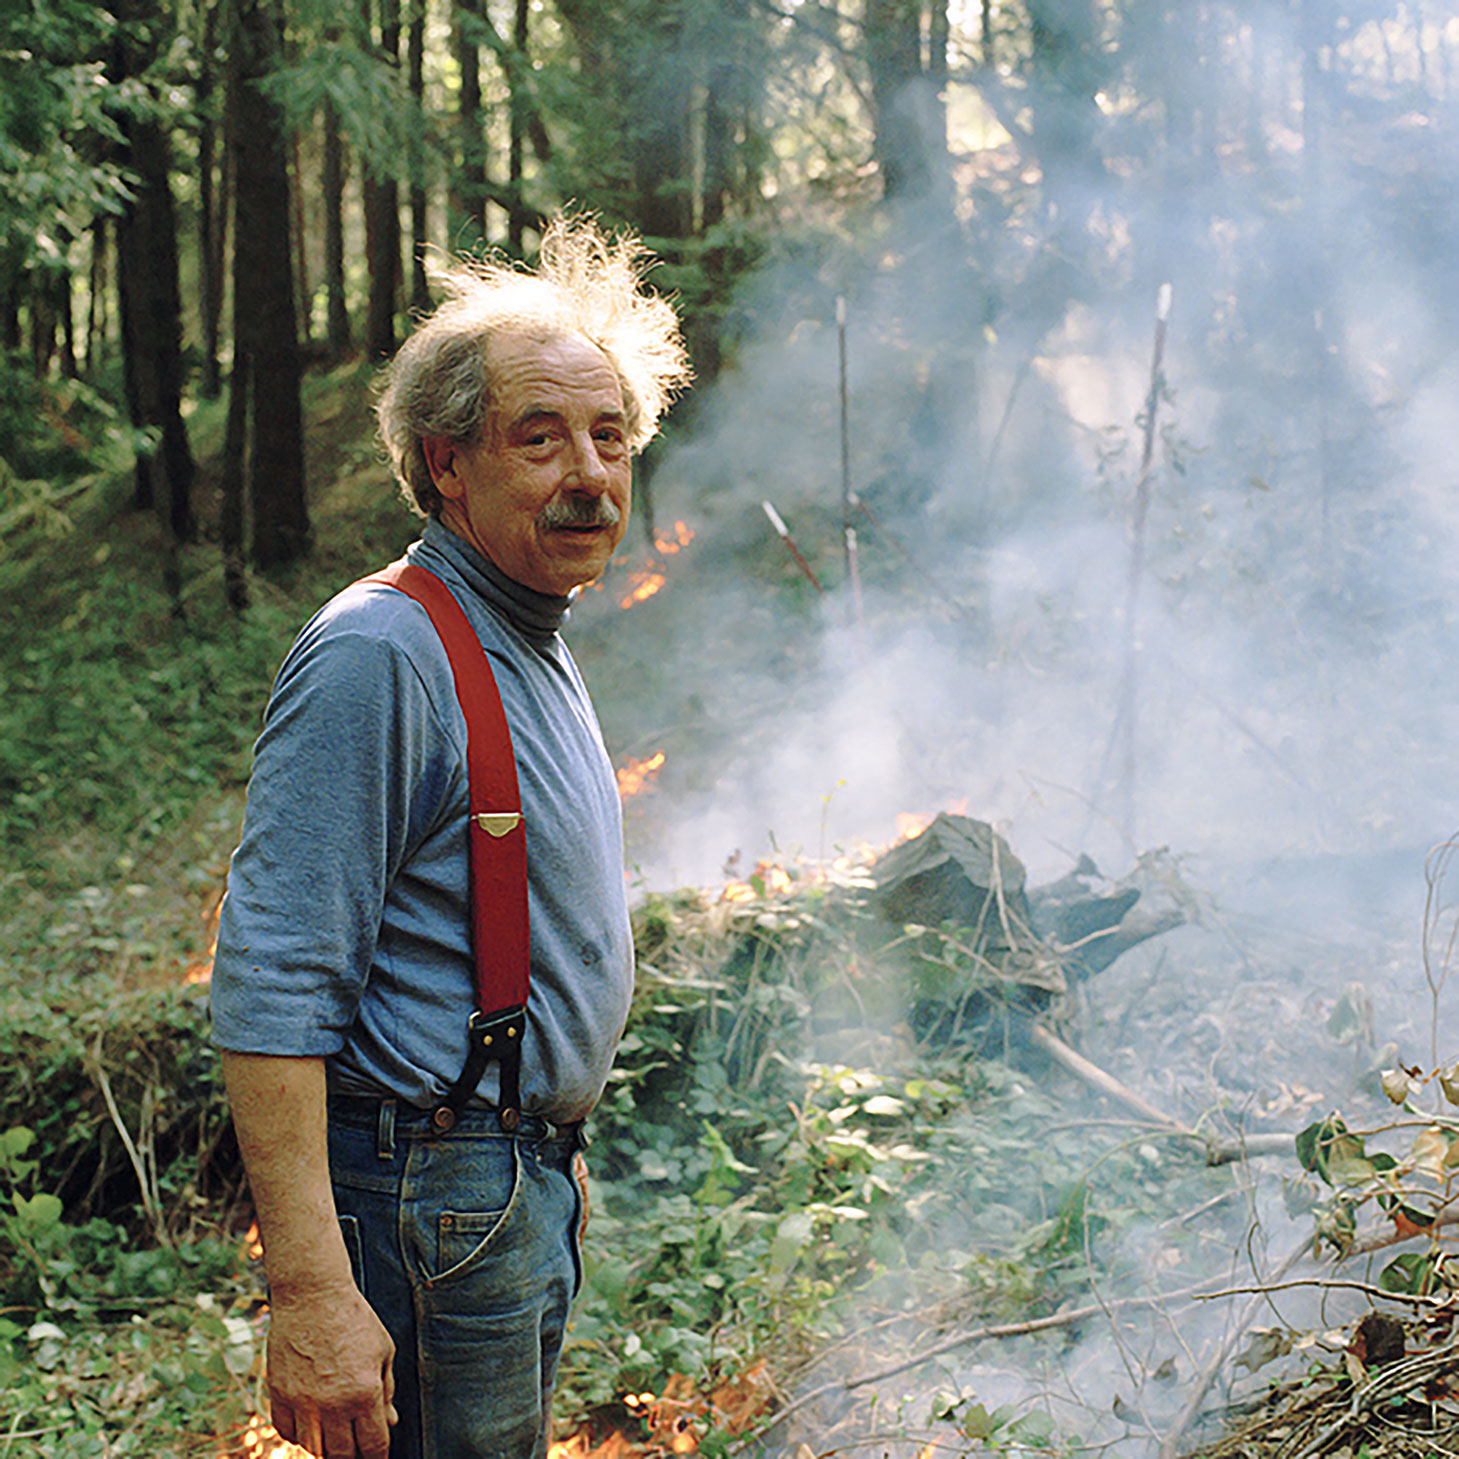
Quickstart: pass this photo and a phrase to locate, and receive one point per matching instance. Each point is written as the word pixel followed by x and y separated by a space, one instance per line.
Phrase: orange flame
pixel 202 972
pixel 773 881
pixel 253 1243
pixel 637 774
pixel 645 585
pixel 910 825
pixel 261 1440
pixel 681 537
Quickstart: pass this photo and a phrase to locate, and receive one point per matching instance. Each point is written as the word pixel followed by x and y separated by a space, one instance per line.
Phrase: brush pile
pixel 1389 1391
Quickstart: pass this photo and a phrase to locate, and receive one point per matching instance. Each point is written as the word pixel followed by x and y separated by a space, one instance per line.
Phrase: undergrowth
pixel 783 1173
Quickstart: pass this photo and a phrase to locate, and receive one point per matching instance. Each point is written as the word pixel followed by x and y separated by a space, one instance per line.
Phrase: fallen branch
pixel 1327 1284
pixel 1218 1152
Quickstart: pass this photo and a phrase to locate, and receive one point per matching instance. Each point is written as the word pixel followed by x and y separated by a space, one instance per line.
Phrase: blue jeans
pixel 467 1247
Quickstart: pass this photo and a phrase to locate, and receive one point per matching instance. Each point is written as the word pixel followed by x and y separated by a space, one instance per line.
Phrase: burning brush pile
pixel 854 1185
pixel 834 1133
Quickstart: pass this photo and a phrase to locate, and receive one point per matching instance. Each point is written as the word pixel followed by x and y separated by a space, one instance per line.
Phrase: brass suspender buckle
pixel 498 823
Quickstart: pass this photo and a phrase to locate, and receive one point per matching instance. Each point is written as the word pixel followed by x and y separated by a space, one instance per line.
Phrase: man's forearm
pixel 279 1113
pixel 328 1355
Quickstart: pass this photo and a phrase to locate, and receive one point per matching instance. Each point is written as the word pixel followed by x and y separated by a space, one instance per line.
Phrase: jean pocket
pixel 349 1228
pixel 465 1239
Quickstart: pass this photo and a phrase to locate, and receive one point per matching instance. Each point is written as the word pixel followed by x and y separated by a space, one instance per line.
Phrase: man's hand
pixel 329 1379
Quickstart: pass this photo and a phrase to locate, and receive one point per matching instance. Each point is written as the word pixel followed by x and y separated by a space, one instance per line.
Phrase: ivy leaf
pixel 1411 1274
pixel 977 1423
pixel 38 1212
pixel 1314 1143
pixel 1430 1150
pixel 1396 1085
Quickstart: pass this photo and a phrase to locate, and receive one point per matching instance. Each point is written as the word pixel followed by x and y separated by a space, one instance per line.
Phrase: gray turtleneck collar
pixel 536 616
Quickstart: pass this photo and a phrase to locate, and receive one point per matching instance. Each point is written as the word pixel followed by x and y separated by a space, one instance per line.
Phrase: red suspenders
pixel 498 851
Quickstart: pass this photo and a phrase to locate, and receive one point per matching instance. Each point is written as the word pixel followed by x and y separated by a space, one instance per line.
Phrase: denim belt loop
pixel 385 1130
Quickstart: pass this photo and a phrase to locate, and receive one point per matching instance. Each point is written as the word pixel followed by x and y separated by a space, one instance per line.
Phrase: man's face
pixel 545 495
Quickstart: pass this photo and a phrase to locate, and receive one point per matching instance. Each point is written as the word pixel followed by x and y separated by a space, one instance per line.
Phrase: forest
pixel 1063 518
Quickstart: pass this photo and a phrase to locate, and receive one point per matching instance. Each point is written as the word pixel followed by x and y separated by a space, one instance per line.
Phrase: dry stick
pixel 1218 1152
pixel 977 1334
pixel 783 531
pixel 883 532
pixel 848 532
pixel 1127 706
pixel 997 442
pixel 1327 1284
pixel 146 1183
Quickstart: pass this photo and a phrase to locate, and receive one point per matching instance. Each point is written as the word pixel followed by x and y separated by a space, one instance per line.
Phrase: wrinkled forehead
pixel 556 371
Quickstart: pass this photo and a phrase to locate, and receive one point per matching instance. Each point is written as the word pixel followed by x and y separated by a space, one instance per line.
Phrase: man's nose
pixel 589 472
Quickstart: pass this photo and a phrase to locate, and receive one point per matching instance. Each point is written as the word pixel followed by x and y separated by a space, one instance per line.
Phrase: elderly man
pixel 420 1220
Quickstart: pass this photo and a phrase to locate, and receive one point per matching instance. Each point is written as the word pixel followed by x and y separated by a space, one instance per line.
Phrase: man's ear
pixel 441 457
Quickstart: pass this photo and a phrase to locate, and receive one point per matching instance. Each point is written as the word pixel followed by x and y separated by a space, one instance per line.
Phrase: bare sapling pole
pixel 784 534
pixel 848 497
pixel 1127 712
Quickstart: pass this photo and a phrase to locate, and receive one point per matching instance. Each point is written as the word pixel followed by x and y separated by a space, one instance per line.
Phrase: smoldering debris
pixel 853 992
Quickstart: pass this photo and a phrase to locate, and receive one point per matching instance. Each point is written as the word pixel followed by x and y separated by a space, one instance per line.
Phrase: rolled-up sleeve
pixel 346 780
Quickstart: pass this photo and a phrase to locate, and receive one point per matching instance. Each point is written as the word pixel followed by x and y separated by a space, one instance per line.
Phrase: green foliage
pixel 1412 1188
pixel 375 111
pixel 53 114
pixel 180 700
pixel 1002 1431
pixel 51 432
pixel 88 1081
pixel 105 1346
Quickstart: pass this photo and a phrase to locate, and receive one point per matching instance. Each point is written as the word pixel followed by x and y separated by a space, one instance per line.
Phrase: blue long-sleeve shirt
pixel 345 932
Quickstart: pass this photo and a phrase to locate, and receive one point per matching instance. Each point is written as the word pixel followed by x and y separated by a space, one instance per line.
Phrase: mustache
pixel 578 511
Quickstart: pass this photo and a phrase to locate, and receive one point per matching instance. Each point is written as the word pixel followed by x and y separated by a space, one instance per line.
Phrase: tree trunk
pixel 12 282
pixel 96 305
pixel 264 291
pixel 66 305
pixel 151 324
pixel 893 37
pixel 470 188
pixel 382 221
pixel 235 454
pixel 300 260
pixel 211 213
pixel 420 293
pixel 332 185
pixel 521 38
pixel 661 137
pixel 734 71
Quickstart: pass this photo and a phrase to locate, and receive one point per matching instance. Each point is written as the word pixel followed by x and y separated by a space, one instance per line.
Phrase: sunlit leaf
pixel 1430 1150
